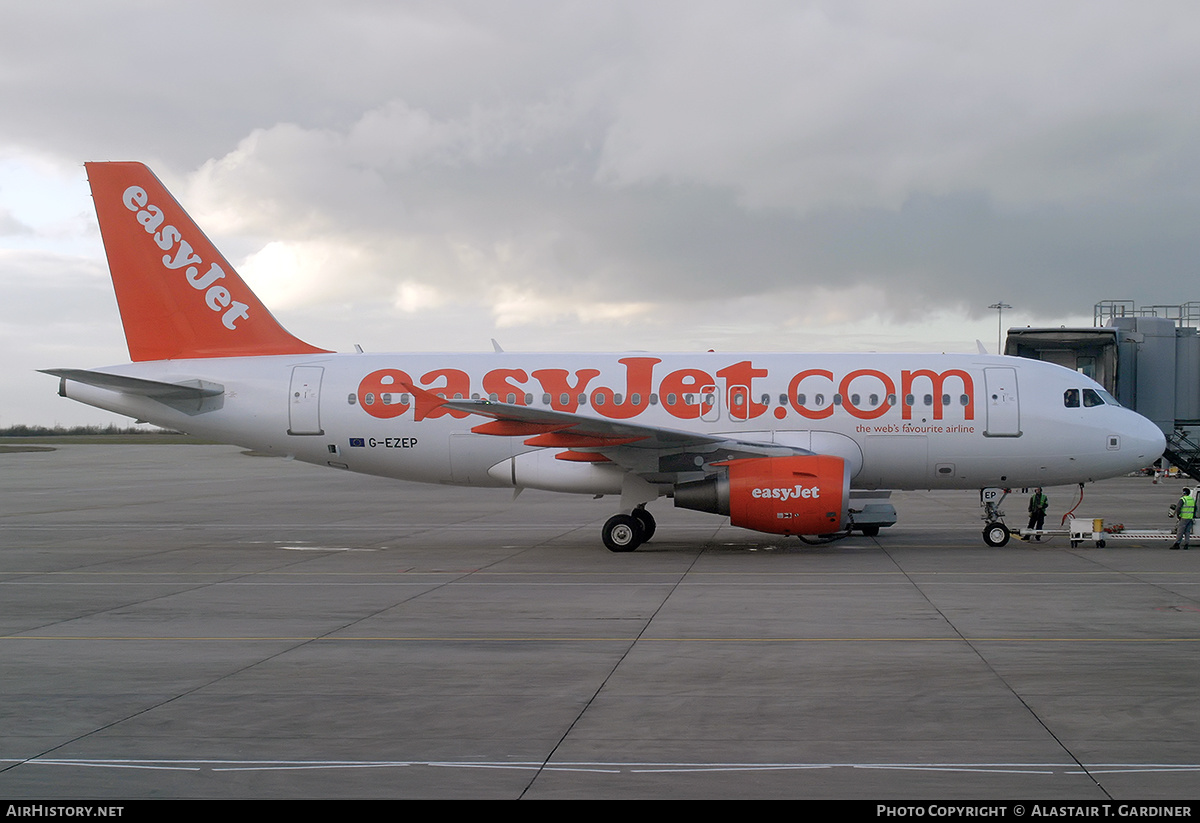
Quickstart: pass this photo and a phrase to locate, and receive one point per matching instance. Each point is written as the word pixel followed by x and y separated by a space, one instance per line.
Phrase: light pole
pixel 999 307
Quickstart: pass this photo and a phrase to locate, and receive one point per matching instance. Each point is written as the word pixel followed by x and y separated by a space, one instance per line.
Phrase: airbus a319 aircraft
pixel 775 442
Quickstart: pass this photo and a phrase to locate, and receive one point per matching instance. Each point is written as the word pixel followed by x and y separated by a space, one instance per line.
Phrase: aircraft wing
pixel 658 454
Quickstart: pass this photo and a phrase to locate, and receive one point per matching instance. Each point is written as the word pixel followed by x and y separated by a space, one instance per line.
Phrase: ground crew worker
pixel 1185 510
pixel 1037 512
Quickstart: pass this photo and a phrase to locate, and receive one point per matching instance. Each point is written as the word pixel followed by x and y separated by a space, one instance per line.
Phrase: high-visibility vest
pixel 1187 508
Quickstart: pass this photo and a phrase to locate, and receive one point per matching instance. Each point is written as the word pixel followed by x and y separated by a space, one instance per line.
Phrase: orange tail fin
pixel 178 295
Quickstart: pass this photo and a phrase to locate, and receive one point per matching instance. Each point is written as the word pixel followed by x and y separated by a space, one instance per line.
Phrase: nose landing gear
pixel 995 532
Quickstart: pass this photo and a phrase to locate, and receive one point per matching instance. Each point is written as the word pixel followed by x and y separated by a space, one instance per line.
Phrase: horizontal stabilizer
pixel 191 396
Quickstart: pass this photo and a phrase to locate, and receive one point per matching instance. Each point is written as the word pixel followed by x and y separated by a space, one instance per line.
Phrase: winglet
pixel 425 402
pixel 178 295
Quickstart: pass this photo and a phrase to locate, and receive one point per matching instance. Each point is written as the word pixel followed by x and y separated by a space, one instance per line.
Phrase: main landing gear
pixel 625 532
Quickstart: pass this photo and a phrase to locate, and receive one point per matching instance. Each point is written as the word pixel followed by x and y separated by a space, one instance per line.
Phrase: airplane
pixel 780 443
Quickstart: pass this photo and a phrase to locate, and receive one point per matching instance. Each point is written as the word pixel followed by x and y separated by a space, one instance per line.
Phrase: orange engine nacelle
pixel 803 494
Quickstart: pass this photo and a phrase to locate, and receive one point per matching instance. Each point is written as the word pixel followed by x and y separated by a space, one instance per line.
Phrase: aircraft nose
pixel 1145 440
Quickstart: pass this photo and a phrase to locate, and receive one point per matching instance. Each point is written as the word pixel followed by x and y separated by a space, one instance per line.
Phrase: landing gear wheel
pixel 621 533
pixel 995 534
pixel 646 523
pixel 870 531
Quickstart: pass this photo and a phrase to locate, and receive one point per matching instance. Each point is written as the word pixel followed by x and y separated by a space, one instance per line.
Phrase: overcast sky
pixel 606 175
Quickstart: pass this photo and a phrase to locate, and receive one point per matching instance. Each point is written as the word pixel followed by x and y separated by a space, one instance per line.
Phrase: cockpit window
pixel 1090 397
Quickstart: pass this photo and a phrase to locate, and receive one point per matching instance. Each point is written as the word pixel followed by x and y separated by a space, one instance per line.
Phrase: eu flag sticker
pixel 357 442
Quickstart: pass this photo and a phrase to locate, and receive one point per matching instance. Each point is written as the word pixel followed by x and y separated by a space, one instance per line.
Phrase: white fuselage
pixel 900 420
